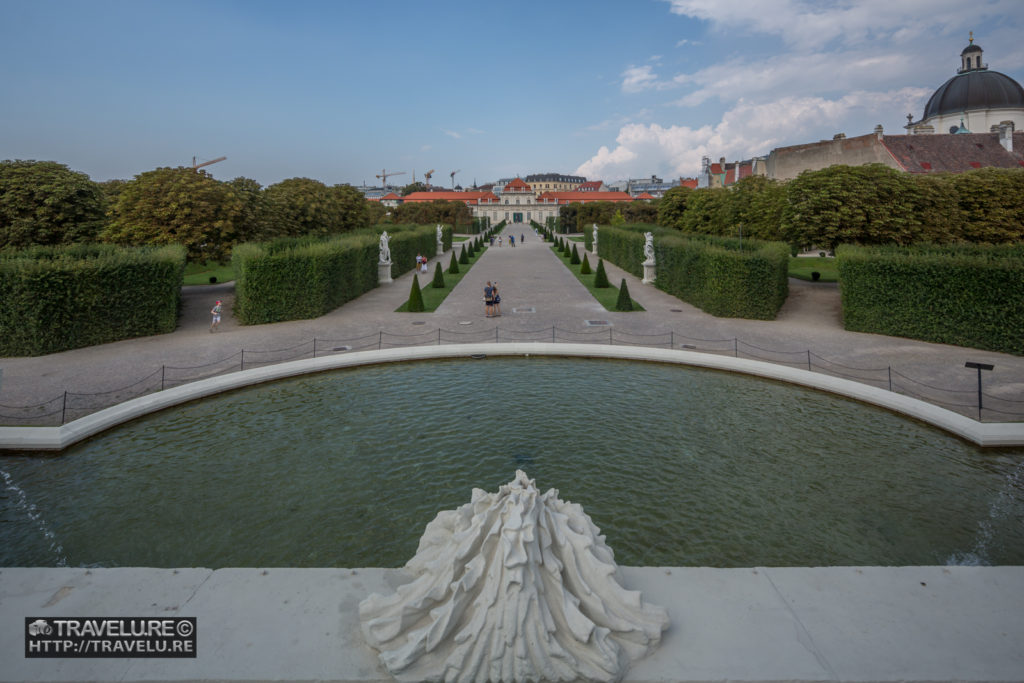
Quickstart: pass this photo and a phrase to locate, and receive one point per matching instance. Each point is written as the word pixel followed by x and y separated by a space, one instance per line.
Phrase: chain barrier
pixel 70 405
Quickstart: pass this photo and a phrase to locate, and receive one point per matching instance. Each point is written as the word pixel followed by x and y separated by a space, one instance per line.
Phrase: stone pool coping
pixel 752 624
pixel 985 434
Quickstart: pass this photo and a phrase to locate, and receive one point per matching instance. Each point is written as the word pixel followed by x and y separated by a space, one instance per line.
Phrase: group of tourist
pixel 511 240
pixel 492 300
pixel 421 263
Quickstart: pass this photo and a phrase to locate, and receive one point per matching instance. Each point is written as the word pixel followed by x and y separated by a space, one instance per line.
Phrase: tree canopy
pixel 178 205
pixel 301 206
pixel 413 187
pixel 43 202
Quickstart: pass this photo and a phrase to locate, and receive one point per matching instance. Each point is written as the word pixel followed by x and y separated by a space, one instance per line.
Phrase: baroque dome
pixel 978 88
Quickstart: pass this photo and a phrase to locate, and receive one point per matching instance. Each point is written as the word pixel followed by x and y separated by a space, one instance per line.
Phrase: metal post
pixel 495 333
pixel 979 367
pixel 242 367
pixel 380 339
pixel 552 334
pixel 808 360
pixel 610 341
pixel 314 347
pixel 890 378
pixel 439 336
pixel 163 369
pixel 64 408
pixel 735 347
pixel 671 339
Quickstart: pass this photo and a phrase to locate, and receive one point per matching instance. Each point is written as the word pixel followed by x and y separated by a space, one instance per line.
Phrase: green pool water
pixel 677 466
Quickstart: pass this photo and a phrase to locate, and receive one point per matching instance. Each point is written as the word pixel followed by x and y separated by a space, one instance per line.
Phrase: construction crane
pixel 385 175
pixel 452 174
pixel 196 166
pixel 426 177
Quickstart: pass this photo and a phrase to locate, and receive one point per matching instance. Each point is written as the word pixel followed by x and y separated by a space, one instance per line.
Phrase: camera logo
pixel 40 627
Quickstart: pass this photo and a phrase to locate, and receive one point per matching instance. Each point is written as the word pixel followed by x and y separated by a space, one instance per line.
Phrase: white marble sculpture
pixel 513 586
pixel 649 248
pixel 593 247
pixel 440 234
pixel 385 250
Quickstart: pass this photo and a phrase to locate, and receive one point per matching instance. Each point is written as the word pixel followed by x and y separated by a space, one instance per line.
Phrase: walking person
pixel 499 240
pixel 512 241
pixel 496 298
pixel 489 300
pixel 215 312
pixel 522 239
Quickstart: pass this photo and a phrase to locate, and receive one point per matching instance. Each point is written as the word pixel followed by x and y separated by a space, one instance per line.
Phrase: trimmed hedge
pixel 967 295
pixel 302 278
pixel 59 298
pixel 722 276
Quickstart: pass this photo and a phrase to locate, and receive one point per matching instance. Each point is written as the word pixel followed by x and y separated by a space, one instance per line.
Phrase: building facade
pixel 554 182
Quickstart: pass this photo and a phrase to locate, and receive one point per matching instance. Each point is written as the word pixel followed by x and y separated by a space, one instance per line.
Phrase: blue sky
pixel 336 91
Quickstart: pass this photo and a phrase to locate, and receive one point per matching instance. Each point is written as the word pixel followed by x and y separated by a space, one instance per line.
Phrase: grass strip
pixel 432 298
pixel 801 268
pixel 606 296
pixel 200 273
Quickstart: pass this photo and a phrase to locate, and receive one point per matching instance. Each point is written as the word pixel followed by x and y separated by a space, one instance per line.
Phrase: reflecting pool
pixel 677 466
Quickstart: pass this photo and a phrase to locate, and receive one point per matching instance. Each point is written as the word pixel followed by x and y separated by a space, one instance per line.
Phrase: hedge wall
pixel 58 298
pixel 720 275
pixel 301 278
pixel 967 295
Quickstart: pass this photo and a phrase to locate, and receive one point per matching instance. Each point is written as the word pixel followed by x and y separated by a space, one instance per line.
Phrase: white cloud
pixel 638 78
pixel 748 129
pixel 811 24
pixel 426 148
pixel 453 134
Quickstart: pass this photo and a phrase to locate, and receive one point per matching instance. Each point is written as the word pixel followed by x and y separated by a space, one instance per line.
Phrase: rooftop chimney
pixel 1006 135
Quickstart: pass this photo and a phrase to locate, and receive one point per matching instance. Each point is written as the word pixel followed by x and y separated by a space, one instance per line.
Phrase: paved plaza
pixel 538 293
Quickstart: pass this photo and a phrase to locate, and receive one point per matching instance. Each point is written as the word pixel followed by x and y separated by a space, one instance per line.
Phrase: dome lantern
pixel 970 57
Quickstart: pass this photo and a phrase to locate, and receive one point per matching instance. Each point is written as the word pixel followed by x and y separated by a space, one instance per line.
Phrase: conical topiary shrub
pixel 585 268
pixel 453 267
pixel 601 278
pixel 415 297
pixel 624 303
pixel 464 255
pixel 438 282
pixel 575 258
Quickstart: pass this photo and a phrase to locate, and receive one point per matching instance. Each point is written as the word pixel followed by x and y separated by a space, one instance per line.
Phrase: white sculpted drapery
pixel 513 586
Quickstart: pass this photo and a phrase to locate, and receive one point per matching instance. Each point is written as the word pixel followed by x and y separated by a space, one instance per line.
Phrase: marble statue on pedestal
pixel 650 274
pixel 513 586
pixel 384 260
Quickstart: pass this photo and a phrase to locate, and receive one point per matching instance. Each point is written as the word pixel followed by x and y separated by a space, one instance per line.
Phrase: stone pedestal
pixel 649 273
pixel 440 248
pixel 384 273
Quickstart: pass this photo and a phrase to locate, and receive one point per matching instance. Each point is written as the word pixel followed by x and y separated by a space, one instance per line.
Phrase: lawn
pixel 432 298
pixel 200 273
pixel 801 267
pixel 606 296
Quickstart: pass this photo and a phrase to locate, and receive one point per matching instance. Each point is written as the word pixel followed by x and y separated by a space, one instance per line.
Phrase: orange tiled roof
pixel 450 196
pixel 645 195
pixel 517 185
pixel 584 197
pixel 688 182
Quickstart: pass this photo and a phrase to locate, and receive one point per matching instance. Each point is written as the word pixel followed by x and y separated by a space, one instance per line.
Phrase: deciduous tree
pixel 178 206
pixel 43 202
